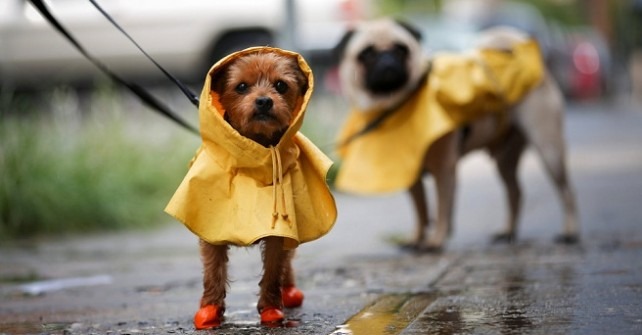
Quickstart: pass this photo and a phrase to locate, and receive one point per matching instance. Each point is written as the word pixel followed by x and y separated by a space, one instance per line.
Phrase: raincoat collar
pixel 217 134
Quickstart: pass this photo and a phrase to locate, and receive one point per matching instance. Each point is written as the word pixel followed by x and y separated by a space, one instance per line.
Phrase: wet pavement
pixel 357 282
pixel 592 289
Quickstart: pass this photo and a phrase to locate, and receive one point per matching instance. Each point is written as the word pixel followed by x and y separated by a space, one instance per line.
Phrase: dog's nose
pixel 388 63
pixel 263 104
pixel 388 59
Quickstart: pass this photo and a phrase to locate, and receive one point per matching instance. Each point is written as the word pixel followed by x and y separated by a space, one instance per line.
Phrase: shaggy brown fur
pixel 259 93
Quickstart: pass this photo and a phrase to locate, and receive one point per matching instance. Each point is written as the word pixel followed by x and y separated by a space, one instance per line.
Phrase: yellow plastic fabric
pixel 459 88
pixel 227 196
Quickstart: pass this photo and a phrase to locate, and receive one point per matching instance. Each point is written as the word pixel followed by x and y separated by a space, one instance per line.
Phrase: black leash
pixel 145 96
pixel 189 94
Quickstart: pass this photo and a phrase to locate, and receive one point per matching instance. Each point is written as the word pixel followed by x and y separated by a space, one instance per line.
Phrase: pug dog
pixel 381 64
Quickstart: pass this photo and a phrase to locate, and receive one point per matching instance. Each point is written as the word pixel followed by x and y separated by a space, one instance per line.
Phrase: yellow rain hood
pixel 235 185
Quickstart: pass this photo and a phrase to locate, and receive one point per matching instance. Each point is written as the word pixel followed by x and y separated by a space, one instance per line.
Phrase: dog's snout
pixel 387 74
pixel 388 60
pixel 389 65
pixel 263 104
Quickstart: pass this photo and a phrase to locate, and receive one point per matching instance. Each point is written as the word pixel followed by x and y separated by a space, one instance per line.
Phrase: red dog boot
pixel 291 296
pixel 208 317
pixel 271 315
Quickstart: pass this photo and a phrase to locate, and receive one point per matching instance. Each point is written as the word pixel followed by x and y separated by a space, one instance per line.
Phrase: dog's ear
pixel 414 31
pixel 219 79
pixel 340 48
pixel 302 80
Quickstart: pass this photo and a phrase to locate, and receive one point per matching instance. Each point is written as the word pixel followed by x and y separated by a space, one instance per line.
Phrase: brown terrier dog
pixel 256 179
pixel 259 93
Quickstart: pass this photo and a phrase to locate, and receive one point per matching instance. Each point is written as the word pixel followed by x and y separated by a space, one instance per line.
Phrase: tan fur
pixel 260 72
pixel 536 120
pixel 382 34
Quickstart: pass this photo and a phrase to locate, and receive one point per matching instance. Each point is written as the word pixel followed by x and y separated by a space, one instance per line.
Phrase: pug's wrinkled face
pixel 380 61
pixel 385 69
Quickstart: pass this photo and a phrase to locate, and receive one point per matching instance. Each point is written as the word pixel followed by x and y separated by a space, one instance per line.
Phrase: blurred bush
pixel 65 172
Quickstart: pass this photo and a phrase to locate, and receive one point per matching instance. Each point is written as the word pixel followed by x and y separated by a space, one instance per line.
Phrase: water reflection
pixel 446 322
pixel 518 300
pixel 511 299
pixel 388 315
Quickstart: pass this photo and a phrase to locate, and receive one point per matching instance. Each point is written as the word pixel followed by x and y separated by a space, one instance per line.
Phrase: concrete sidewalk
pixel 595 288
pixel 528 288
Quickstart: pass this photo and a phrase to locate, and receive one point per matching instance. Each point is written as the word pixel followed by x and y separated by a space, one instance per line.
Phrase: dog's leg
pixel 507 155
pixel 442 164
pixel 288 278
pixel 553 159
pixel 214 259
pixel 445 182
pixel 291 295
pixel 420 202
pixel 541 119
pixel 270 304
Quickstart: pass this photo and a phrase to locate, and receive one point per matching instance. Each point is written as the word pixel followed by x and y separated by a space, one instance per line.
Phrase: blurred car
pixel 591 65
pixel 185 37
pixel 579 58
pixel 439 33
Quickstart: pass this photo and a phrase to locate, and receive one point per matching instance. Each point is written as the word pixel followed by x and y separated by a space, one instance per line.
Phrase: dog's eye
pixel 367 54
pixel 281 86
pixel 241 88
pixel 401 50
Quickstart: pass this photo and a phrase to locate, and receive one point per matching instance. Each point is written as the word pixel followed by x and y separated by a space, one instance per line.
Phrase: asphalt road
pixel 357 282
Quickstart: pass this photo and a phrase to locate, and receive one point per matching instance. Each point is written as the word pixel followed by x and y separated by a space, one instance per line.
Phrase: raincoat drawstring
pixel 277 181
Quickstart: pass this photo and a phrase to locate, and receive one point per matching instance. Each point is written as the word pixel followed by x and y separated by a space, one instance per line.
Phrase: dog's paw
pixel 430 249
pixel 208 317
pixel 567 239
pixel 420 248
pixel 409 246
pixel 271 315
pixel 292 297
pixel 504 238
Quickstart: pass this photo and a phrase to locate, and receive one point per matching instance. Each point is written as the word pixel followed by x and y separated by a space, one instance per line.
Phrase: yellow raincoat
pixel 237 191
pixel 458 89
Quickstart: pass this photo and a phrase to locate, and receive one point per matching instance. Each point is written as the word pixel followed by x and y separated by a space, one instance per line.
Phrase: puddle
pixel 44 286
pixel 247 321
pixel 512 300
pixel 388 315
pixel 516 300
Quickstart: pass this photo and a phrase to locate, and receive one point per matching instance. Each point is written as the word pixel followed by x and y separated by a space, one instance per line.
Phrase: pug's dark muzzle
pixel 385 73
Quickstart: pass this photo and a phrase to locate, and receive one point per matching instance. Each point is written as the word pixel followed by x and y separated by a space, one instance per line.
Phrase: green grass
pixel 100 161
pixel 66 173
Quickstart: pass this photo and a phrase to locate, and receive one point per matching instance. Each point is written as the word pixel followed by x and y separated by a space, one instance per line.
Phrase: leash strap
pixel 189 94
pixel 369 127
pixel 145 96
